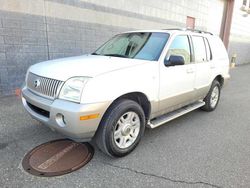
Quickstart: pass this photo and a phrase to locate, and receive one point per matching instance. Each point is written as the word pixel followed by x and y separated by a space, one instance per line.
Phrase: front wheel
pixel 213 97
pixel 121 128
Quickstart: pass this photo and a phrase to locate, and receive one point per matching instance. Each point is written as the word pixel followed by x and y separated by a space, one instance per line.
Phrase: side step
pixel 175 114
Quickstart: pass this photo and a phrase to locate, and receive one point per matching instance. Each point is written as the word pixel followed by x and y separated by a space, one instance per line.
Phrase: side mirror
pixel 174 60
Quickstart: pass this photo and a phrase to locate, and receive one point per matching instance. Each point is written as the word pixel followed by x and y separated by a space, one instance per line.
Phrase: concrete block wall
pixel 22 42
pixel 34 31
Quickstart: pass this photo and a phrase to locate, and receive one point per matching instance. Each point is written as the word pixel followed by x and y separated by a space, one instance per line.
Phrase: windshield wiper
pixel 95 53
pixel 116 55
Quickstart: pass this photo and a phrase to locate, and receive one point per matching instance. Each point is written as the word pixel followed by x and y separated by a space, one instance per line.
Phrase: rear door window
pixel 199 49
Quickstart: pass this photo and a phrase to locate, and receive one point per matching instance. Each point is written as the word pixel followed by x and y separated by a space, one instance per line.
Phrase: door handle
pixel 212 66
pixel 190 70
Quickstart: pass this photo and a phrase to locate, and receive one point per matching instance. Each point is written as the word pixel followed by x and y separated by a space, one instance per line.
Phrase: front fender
pixel 109 86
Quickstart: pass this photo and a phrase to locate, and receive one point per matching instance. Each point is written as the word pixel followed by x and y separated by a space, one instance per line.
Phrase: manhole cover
pixel 57 157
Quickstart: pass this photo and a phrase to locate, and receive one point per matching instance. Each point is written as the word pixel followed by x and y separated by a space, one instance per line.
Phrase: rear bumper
pixel 64 116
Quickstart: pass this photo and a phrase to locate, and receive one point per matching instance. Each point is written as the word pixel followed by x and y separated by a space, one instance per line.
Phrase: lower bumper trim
pixel 39 110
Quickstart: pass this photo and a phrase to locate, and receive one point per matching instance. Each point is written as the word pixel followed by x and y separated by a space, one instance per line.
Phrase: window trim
pixel 192 57
pixel 211 55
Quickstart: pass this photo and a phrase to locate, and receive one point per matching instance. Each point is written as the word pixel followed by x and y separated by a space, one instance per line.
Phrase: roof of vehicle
pixel 172 31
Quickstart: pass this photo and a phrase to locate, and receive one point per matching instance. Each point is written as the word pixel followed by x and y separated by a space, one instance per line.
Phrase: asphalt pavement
pixel 199 149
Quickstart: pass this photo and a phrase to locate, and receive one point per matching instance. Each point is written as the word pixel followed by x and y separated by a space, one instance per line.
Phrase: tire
pixel 121 128
pixel 213 94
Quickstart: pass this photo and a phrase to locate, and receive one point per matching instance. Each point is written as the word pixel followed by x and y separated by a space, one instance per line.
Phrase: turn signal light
pixel 92 116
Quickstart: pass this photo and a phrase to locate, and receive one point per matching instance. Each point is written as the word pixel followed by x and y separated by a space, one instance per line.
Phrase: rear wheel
pixel 213 97
pixel 121 128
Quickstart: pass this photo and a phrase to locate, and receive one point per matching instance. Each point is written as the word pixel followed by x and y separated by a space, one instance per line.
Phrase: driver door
pixel 177 82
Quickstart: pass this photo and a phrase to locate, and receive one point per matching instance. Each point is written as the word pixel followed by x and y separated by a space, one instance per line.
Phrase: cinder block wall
pixel 34 31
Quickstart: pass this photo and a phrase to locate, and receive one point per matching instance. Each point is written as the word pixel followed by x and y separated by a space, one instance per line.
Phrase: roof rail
pixel 192 30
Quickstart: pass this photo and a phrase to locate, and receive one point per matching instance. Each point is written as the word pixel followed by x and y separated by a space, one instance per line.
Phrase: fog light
pixel 60 119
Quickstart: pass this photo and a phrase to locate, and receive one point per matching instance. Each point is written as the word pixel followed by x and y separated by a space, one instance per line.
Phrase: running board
pixel 175 114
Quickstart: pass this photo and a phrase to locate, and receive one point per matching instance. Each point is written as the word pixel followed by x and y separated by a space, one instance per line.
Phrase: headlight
pixel 72 89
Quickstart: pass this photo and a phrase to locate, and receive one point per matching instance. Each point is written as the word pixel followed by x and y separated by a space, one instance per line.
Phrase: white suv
pixel 136 79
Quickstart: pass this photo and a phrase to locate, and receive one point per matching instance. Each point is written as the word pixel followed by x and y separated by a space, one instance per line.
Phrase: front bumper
pixel 64 116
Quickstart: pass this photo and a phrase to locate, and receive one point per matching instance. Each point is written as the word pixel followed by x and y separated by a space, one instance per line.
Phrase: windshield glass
pixel 141 45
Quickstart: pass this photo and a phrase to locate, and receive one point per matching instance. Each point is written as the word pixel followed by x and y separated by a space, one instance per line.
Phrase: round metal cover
pixel 57 157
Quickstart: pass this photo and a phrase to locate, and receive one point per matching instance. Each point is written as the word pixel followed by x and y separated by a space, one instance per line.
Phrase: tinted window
pixel 199 49
pixel 143 45
pixel 180 46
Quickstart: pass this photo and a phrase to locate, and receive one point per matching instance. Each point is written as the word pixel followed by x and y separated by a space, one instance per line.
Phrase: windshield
pixel 141 45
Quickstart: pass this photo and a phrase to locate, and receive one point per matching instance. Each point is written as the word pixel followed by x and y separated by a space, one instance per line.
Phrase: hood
pixel 86 65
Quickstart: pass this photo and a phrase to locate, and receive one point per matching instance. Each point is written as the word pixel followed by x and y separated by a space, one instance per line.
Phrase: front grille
pixel 39 110
pixel 42 85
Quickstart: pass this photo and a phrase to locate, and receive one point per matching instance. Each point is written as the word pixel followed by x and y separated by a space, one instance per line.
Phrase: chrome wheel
pixel 214 97
pixel 127 130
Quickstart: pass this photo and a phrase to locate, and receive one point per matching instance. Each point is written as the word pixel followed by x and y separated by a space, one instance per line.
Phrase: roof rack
pixel 192 30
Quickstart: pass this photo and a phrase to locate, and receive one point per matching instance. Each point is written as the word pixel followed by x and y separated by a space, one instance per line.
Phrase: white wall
pixel 215 15
pixel 239 42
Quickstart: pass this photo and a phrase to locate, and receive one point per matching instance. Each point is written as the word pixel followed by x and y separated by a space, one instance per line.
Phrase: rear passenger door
pixel 204 66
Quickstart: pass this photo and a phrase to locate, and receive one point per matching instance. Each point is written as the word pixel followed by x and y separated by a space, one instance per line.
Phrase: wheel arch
pixel 220 79
pixel 138 97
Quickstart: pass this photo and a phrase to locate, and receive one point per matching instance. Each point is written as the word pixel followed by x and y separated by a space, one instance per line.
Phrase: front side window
pixel 180 47
pixel 139 45
pixel 199 49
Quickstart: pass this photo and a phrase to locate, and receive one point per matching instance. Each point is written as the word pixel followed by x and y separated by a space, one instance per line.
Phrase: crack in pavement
pixel 162 177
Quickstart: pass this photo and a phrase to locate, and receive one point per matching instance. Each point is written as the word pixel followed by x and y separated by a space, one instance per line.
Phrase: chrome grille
pixel 44 86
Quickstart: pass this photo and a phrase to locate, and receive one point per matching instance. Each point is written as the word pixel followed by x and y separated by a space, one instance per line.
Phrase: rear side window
pixel 180 46
pixel 218 49
pixel 199 49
